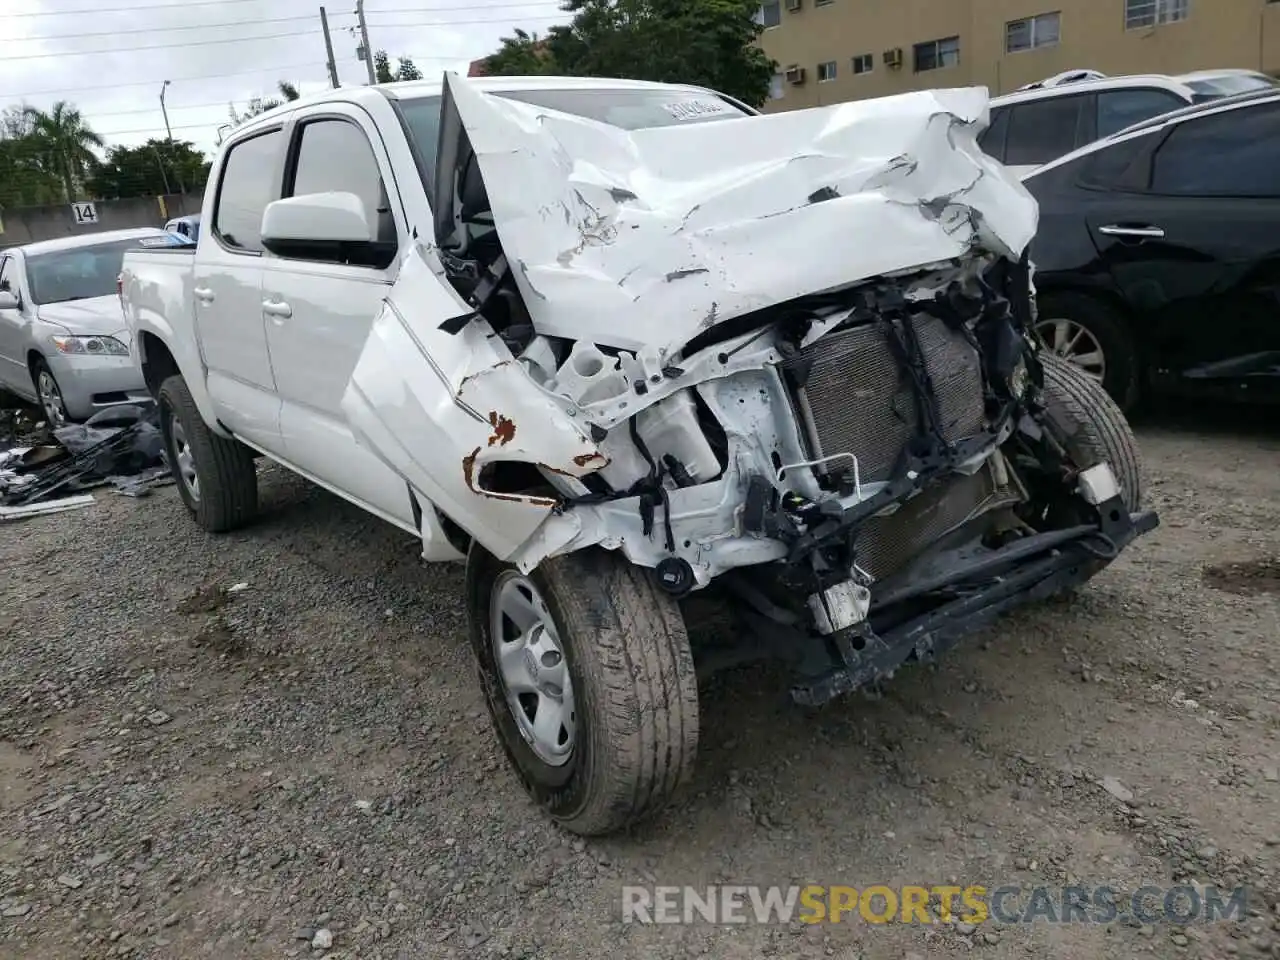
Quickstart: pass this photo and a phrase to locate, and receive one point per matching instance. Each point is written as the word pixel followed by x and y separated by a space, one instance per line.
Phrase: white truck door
pixel 319 310
pixel 228 291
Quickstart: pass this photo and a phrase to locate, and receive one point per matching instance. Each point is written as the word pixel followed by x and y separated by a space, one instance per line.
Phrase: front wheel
pixel 49 394
pixel 216 477
pixel 589 679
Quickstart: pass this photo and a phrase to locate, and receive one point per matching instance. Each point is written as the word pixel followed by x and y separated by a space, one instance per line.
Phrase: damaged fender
pixel 438 408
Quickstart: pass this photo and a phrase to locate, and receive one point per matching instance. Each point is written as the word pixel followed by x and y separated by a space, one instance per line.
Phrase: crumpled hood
pixel 97 316
pixel 647 237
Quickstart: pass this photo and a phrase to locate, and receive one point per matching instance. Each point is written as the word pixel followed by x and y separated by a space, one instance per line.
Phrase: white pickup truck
pixel 614 343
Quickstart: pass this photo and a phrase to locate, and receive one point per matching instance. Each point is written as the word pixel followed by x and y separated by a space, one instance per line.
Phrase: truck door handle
pixel 204 294
pixel 277 308
pixel 1145 232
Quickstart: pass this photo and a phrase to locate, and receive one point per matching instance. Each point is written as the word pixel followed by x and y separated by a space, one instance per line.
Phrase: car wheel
pixel 49 394
pixel 1092 429
pixel 1090 335
pixel 589 679
pixel 216 477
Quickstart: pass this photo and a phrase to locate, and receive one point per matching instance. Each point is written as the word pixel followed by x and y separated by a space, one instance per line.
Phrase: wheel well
pixel 33 357
pixel 157 363
pixel 1107 298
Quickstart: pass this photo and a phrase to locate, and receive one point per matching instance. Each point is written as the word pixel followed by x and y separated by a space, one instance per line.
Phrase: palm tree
pixel 288 90
pixel 66 140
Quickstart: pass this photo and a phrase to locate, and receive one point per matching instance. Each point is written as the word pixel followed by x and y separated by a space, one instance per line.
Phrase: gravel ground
pixel 307 759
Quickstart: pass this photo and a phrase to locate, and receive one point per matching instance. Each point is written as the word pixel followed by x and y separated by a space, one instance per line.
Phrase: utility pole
pixel 365 53
pixel 165 110
pixel 182 187
pixel 328 49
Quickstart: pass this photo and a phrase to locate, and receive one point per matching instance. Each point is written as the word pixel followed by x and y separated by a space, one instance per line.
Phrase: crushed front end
pixel 863 446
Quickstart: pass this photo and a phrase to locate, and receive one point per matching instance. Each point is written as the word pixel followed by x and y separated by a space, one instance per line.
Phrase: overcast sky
pixel 110 59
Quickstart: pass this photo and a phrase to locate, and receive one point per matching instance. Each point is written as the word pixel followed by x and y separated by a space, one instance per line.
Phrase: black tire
pixel 634 690
pixel 227 495
pixel 1098 429
pixel 1122 375
pixel 38 367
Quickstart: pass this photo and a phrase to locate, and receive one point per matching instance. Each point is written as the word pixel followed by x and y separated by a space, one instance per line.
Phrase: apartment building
pixel 834 50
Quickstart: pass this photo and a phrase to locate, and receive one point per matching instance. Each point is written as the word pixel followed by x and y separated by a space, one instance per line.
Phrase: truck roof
pixel 406 89
pixel 87 240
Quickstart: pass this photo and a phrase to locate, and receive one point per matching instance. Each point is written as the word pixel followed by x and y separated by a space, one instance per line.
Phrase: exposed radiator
pixel 886 544
pixel 859 401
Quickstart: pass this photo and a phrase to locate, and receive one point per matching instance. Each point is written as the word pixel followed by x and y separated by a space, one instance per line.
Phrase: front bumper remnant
pixel 874 655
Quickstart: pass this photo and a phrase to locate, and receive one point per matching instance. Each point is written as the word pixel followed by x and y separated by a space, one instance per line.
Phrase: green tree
pixel 25 179
pixel 65 144
pixel 153 168
pixel 405 68
pixel 706 42
pixel 523 55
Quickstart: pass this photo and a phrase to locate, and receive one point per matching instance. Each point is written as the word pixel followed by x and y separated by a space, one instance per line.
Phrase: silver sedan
pixel 63 342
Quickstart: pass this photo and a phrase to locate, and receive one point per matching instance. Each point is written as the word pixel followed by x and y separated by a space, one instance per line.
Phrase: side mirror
pixel 333 227
pixel 8 300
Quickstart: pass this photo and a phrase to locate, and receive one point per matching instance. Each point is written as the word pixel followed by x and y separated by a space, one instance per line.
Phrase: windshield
pixel 634 109
pixel 1214 88
pixel 79 273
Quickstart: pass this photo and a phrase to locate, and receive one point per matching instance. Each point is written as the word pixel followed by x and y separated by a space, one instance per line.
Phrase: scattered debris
pixel 237 587
pixel 322 940
pixel 121 446
pixel 158 718
pixel 1117 789
pixel 40 509
pixel 72 883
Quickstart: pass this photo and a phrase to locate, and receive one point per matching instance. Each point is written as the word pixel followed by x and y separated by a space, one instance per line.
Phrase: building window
pixel 1032 32
pixel 1149 13
pixel 937 53
pixel 769 14
pixel 826 71
pixel 823 3
pixel 863 63
pixel 776 87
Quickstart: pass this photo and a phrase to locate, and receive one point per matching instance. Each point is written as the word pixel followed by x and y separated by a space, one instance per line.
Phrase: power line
pixel 197 26
pixel 223 3
pixel 161 46
pixel 155 80
pixel 269 36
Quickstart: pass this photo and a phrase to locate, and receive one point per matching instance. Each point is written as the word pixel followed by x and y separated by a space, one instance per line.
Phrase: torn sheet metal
pixel 646 237
pixel 439 408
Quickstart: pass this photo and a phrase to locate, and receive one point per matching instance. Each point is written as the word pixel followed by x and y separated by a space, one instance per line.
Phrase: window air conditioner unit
pixel 795 75
pixel 892 58
pixel 794 5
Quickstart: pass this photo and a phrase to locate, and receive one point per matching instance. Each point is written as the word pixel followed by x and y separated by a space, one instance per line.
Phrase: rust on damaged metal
pixel 504 429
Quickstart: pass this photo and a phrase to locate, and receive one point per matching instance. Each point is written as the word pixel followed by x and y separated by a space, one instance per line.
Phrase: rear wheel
pixel 1088 334
pixel 589 680
pixel 216 477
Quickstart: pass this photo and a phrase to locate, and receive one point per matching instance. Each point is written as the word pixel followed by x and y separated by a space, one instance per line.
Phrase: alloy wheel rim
pixel 1074 343
pixel 183 459
pixel 51 399
pixel 532 667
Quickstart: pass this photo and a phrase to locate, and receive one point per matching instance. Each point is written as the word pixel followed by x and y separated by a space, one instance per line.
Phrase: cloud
pixel 111 60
